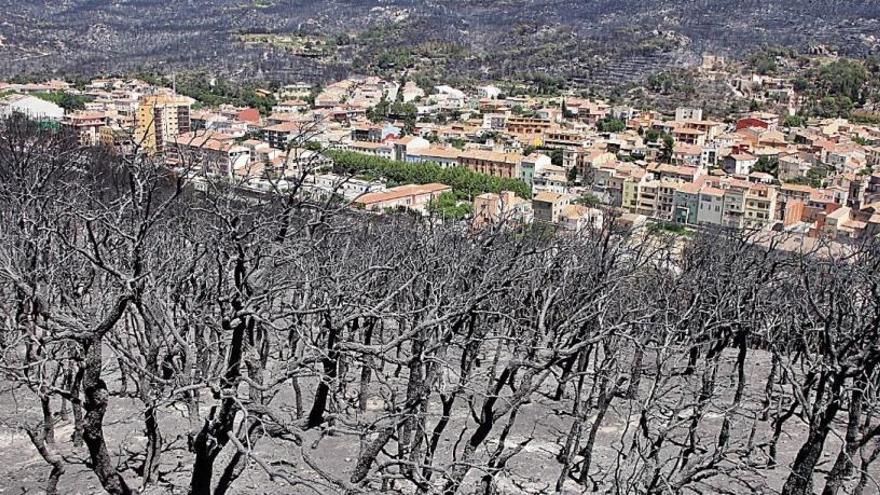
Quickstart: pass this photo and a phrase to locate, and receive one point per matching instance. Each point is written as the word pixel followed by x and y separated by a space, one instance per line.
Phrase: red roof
pixel 250 115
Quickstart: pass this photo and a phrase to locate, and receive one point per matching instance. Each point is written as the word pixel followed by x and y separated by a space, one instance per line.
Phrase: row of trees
pixel 305 347
pixel 465 183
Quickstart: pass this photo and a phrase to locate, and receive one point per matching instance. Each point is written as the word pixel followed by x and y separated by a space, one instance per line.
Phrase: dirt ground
pixel 22 470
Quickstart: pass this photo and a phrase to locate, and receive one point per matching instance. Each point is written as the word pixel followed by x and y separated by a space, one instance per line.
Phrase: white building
pixel 683 114
pixel 31 106
pixel 531 165
pixel 490 92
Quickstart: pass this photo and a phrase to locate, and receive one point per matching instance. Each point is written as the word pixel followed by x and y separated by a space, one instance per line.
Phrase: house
pixel 372 133
pixel 443 156
pixel 280 136
pixel 548 207
pixel 403 147
pixel 350 188
pixel 752 123
pixel 491 209
pixel 711 203
pixel 792 166
pixel 590 161
pixel 496 164
pixel 30 106
pixel 739 163
pixel 85 127
pixel 551 178
pixel 412 196
pixel 683 113
pixel 491 92
pixel 577 218
pixel 565 138
pixel 851 224
pixel 249 116
pixel 686 204
pixel 383 150
pixel 530 165
pixel 687 135
pixel 209 153
pixel 677 173
pixel 527 126
pixel 494 121
pixel 687 154
pixel 290 106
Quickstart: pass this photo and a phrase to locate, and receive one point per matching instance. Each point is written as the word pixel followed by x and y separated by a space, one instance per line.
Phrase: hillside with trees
pixel 591 43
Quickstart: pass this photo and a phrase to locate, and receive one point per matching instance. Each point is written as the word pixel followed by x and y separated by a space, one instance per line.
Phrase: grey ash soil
pixel 535 468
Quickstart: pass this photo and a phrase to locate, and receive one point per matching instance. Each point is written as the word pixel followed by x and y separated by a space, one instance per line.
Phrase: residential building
pixel 443 156
pixel 551 178
pixel 160 119
pixel 577 218
pixel 413 197
pixel 686 204
pixel 682 114
pixel 349 188
pixel 283 135
pixel 548 206
pixel 531 165
pixel 740 163
pixel 85 127
pixel 687 135
pixel 383 150
pixel 494 121
pixel 496 164
pixel 291 106
pixel 208 153
pixel 561 138
pixel 491 208
pixel 403 147
pixel 527 126
pixel 678 173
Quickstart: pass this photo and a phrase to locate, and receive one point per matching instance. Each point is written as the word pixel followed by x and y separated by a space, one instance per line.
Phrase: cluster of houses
pixel 748 171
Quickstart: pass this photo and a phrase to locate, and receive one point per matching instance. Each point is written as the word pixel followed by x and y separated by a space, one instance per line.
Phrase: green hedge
pixel 465 183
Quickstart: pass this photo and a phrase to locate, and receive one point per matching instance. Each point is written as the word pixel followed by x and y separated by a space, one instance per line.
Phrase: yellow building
pixel 760 206
pixel 160 118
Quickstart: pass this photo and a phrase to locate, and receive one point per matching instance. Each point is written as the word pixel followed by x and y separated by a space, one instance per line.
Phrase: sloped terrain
pixel 586 39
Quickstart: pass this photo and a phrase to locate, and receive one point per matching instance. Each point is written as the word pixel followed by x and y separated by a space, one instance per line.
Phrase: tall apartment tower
pixel 161 118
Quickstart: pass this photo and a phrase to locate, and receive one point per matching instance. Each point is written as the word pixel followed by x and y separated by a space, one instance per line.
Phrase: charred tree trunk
pixel 843 465
pixel 95 405
pixel 43 438
pixel 214 434
pixel 319 406
pixel 800 481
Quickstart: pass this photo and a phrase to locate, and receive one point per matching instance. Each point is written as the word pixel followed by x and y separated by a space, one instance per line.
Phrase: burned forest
pixel 158 337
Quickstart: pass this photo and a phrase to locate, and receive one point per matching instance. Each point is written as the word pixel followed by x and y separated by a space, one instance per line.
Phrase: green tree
pixel 465 183
pixel 794 121
pixel 69 102
pixel 843 78
pixel 767 165
pixel 557 156
pixel 667 149
pixel 610 124
pixel 448 207
pixel 589 200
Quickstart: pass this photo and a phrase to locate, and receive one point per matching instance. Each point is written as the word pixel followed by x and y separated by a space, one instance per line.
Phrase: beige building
pixel 85 127
pixel 548 207
pixel 160 119
pixel 412 196
pixel 491 208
